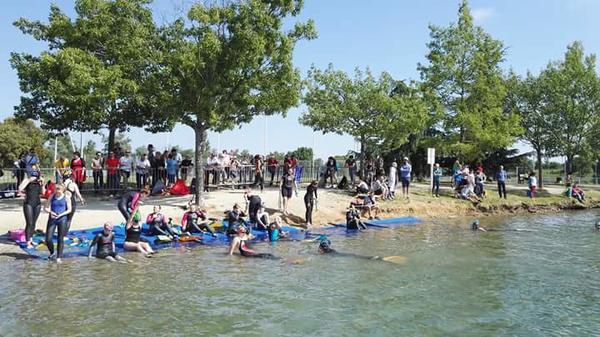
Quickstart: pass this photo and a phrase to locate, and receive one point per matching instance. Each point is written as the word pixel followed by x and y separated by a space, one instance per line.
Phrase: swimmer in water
pixel 105 245
pixel 239 243
pixel 476 225
pixel 325 248
pixel 597 226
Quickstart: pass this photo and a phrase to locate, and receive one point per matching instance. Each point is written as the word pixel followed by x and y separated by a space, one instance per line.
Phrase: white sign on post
pixel 431 161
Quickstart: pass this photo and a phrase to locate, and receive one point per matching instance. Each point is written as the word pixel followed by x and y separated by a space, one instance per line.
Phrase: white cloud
pixel 482 14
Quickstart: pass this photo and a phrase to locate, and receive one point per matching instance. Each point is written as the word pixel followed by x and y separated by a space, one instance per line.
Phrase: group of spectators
pixel 229 168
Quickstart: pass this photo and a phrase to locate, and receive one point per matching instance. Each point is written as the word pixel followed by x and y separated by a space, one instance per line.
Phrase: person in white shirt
pixel 393 174
pixel 379 188
pixel 142 166
pixel 125 164
pixel 97 167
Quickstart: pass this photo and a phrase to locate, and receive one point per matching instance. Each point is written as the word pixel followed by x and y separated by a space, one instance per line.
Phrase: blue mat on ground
pixel 77 242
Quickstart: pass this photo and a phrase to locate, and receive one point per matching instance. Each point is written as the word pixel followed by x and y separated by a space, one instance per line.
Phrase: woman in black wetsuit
pixel 105 245
pixel 32 188
pixel 309 201
pixel 158 224
pixel 239 243
pixel 195 221
pixel 130 200
pixel 72 191
pixel 133 233
pixel 287 189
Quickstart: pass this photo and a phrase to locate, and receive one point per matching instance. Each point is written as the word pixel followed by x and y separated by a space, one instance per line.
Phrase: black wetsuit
pixel 254 203
pixel 309 202
pixel 287 187
pixel 57 206
pixel 73 201
pixel 353 221
pixel 159 227
pixel 133 234
pixel 32 207
pixel 104 245
pixel 192 224
pixel 248 252
pixel 127 203
pixel 234 219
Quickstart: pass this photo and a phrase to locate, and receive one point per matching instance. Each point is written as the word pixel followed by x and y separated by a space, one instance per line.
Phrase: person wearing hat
pixel 133 235
pixel 476 226
pixel 105 245
pixel 32 188
pixel 405 172
pixel 97 167
pixel 239 243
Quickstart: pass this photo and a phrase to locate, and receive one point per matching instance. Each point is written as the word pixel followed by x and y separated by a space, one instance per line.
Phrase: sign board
pixel 430 155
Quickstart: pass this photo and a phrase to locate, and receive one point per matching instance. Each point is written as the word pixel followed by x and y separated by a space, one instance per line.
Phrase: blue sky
pixel 384 35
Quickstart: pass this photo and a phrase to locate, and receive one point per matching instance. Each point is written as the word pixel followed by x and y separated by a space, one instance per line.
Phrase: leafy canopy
pixel 463 70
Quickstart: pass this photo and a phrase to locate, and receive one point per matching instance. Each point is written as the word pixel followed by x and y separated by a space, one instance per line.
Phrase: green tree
pixel 373 111
pixel 572 103
pixel 16 138
pixel 96 72
pixel 302 153
pixel 527 98
pixel 463 71
pixel 228 63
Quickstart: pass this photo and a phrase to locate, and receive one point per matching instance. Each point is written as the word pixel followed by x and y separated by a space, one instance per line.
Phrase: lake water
pixel 454 282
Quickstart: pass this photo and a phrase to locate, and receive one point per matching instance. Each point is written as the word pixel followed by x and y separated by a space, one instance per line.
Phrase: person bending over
pixel 275 230
pixel 130 200
pixel 362 187
pixel 195 221
pixel 239 243
pixel 105 245
pixel 253 203
pixel 370 205
pixel 262 219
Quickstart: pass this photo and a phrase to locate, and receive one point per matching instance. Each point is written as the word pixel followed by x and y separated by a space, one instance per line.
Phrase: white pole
pixel 219 142
pixel 55 148
pixel 265 138
pixel 81 143
pixel 314 151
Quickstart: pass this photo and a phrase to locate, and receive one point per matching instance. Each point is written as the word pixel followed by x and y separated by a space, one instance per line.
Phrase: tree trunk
pixel 539 163
pixel 111 138
pixel 362 159
pixel 569 165
pixel 200 133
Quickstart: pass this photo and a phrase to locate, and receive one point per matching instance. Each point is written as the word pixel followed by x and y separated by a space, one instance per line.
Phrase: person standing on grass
pixel 437 175
pixel 393 174
pixel 351 165
pixel 97 167
pixel 405 173
pixel 532 182
pixel 501 177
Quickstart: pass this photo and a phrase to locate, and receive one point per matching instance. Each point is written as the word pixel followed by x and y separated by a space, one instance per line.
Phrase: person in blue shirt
pixel 172 168
pixel 437 174
pixel 405 171
pixel 501 177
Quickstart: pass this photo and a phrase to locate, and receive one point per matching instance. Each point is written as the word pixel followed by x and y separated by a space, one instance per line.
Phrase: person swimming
pixel 476 225
pixel 105 245
pixel 597 225
pixel 239 243
pixel 325 248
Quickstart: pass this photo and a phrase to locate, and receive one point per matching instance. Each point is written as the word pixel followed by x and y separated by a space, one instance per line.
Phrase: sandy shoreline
pixel 331 208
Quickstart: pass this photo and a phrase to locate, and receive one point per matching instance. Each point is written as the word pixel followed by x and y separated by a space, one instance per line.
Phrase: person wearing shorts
pixel 405 172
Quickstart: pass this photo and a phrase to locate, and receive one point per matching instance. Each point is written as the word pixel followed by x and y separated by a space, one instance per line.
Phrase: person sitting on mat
pixel 133 233
pixel 369 204
pixel 158 224
pixel 253 203
pixel 239 243
pixel 353 221
pixel 275 230
pixel 195 221
pixel 235 219
pixel 105 245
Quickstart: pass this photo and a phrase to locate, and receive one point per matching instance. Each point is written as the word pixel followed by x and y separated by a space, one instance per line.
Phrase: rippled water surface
pixel 454 282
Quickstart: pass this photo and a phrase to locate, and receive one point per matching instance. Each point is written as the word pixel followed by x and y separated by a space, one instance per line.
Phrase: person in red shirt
pixel 294 162
pixel 272 165
pixel 78 168
pixel 112 167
